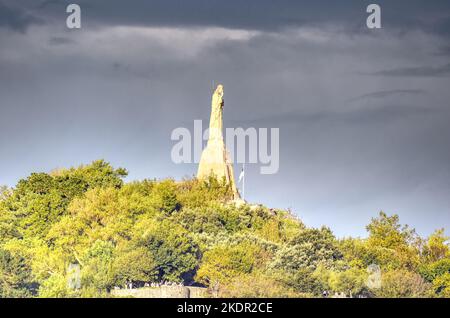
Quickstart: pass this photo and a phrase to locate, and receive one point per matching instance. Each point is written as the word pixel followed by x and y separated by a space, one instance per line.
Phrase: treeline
pixel 114 233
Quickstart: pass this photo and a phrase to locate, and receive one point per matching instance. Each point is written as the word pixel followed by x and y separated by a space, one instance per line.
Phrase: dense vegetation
pixel 190 232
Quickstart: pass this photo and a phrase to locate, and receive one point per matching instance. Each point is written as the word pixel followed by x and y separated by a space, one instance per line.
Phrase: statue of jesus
pixel 216 122
pixel 215 158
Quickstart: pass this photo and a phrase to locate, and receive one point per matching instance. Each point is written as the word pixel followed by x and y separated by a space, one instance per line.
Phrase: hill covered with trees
pixel 190 232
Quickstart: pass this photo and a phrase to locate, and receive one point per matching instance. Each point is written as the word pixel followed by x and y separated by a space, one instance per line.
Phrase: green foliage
pixel 303 280
pixel 432 270
pixel 146 231
pixel 97 266
pixel 15 276
pixel 195 193
pixel 308 249
pixel 134 264
pixel 438 273
pixel 392 245
pixel 223 263
pixel 403 284
pixel 351 281
pixel 97 174
pixel 55 287
pixel 165 197
pixel 436 247
pixel 42 199
pixel 173 252
pixel 441 285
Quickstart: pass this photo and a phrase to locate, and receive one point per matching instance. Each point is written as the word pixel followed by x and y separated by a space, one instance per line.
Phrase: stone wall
pixel 162 292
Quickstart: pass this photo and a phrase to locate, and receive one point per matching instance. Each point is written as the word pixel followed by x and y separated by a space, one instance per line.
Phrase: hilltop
pixel 82 231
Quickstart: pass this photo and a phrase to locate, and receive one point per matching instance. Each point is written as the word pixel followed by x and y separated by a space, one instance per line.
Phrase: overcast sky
pixel 364 115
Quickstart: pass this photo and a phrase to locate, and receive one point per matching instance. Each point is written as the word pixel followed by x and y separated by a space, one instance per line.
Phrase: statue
pixel 215 159
pixel 215 122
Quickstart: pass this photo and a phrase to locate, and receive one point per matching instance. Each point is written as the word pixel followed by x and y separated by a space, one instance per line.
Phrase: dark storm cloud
pixel 388 93
pixel 444 50
pixel 441 26
pixel 16 18
pixel 350 144
pixel 420 71
pixel 250 14
pixel 363 116
pixel 387 113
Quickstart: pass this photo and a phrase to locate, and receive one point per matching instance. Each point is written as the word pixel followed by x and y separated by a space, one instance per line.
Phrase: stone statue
pixel 215 159
pixel 216 122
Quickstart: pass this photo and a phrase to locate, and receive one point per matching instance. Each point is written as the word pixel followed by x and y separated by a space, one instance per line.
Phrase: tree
pixel 307 250
pixel 351 281
pixel 96 267
pixel 15 276
pixel 386 231
pixel 436 247
pixel 56 287
pixel 194 193
pixel 164 194
pixel 403 284
pixel 303 280
pixel 432 270
pixel 144 231
pixel 438 273
pixel 97 174
pixel 134 264
pixel 173 252
pixel 441 285
pixel 390 244
pixel 42 199
pixel 223 263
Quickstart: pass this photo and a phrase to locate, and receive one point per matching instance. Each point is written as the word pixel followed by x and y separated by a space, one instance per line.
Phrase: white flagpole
pixel 243 182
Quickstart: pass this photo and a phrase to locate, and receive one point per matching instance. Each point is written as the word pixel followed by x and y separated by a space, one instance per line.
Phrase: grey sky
pixel 363 114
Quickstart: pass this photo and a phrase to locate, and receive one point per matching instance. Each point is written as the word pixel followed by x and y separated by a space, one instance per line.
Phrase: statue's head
pixel 219 90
